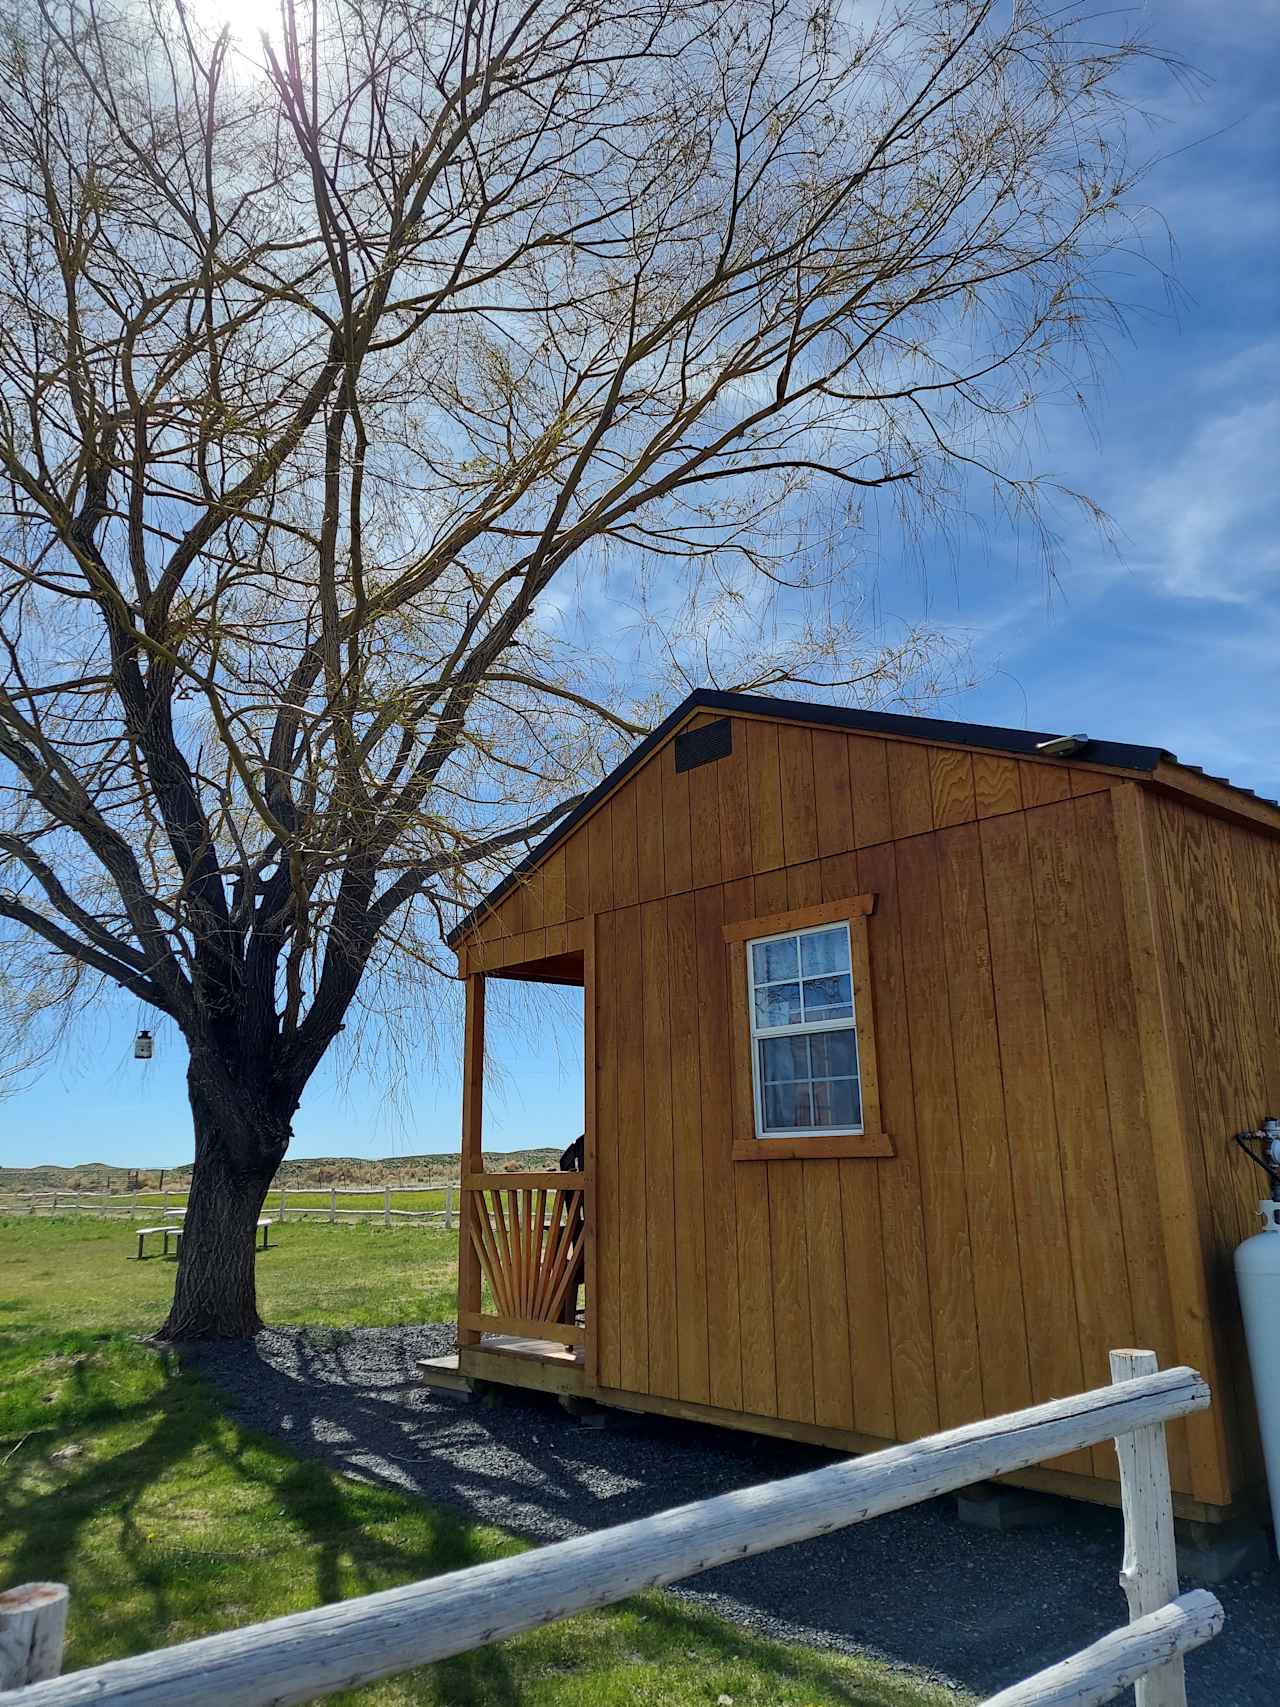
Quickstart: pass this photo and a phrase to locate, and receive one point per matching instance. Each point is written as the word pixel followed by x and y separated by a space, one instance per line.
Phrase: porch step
pixel 443 1373
pixel 543 1365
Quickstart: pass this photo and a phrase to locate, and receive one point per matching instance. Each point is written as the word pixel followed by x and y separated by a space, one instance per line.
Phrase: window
pixel 804 1067
pixel 804 1041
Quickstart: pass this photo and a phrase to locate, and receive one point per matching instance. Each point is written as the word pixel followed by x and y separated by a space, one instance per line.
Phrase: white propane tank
pixel 1258 1278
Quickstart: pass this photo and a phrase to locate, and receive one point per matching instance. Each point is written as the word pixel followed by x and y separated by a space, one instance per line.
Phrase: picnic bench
pixel 175 1233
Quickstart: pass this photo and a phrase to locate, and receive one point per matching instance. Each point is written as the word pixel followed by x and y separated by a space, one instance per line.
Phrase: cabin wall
pixel 1011 1241
pixel 1217 892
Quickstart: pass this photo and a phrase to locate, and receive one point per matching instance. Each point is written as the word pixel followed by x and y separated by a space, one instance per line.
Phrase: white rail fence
pixel 278 1204
pixel 309 1655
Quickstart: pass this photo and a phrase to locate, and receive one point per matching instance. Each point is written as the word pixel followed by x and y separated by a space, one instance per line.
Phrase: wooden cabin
pixel 913 1054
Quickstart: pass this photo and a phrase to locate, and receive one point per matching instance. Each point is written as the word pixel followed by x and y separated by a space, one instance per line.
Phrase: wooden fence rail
pixel 132 1204
pixel 1123 1658
pixel 308 1655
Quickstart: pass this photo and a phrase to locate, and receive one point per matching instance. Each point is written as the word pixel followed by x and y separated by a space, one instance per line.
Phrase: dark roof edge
pixel 990 737
pixel 987 737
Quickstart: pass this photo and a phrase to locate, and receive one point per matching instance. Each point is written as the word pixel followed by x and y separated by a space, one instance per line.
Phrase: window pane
pixel 783 1058
pixel 848 1097
pixel 778 1004
pixel 836 1103
pixel 774 960
pixel 787 1106
pixel 828 998
pixel 825 951
pixel 833 1054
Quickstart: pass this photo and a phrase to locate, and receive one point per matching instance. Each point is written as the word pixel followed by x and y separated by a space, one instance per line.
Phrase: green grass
pixel 84 1272
pixel 347 1200
pixel 123 1477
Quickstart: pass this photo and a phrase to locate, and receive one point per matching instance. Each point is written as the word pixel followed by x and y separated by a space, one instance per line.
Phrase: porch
pixel 512 1361
pixel 525 1247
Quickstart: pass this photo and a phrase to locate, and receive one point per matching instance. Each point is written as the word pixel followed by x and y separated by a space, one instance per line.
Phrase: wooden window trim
pixel 803 919
pixel 872 1141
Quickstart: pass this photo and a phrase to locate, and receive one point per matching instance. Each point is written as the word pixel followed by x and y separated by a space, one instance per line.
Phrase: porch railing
pixel 528 1232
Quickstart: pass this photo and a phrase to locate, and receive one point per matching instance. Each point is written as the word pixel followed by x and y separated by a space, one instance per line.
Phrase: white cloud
pixel 1208 525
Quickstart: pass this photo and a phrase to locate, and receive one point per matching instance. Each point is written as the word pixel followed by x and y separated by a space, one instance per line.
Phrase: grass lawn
pixel 85 1273
pixel 122 1476
pixel 347 1200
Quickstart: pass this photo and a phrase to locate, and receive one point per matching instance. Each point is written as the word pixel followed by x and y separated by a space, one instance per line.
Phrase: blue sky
pixel 1173 640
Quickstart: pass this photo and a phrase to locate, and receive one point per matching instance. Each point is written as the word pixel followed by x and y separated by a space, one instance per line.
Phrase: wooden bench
pixel 144 1232
pixel 175 1233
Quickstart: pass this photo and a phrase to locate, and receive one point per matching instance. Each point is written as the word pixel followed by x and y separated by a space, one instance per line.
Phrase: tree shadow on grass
pixel 50 1517
pixel 343 1521
pixel 670 1625
pixel 341 1518
pixel 130 1586
pixel 338 1529
pixel 350 1557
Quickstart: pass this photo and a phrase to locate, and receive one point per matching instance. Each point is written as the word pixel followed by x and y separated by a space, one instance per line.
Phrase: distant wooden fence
pixel 312 1654
pixel 162 1203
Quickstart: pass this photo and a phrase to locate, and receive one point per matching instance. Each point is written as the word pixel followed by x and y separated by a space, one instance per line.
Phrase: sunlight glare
pixel 246 20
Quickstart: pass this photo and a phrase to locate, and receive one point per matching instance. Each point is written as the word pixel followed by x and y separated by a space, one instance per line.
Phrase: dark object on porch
pixel 573 1162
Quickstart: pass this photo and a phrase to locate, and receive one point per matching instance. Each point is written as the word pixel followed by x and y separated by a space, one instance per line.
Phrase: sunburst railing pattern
pixel 528 1231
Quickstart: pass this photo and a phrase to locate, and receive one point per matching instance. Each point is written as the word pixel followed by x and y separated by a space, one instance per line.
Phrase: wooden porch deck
pixel 510 1360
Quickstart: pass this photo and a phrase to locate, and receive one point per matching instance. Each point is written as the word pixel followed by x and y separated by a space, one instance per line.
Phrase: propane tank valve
pixel 1263 1147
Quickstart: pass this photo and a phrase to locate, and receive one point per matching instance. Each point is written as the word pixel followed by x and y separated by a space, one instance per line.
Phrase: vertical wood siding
pixel 1217 889
pixel 1012 1239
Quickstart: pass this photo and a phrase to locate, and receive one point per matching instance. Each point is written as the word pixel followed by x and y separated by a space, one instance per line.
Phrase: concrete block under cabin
pixel 987 1505
pixel 912 1054
pixel 1220 1552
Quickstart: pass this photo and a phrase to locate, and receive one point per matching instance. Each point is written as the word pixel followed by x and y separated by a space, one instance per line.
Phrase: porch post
pixel 590 1097
pixel 469 1277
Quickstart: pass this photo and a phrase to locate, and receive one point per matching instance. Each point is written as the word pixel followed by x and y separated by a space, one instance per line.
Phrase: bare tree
pixel 360 386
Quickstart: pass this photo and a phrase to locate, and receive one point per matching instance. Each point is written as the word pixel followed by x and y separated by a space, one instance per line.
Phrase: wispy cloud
pixel 1209 524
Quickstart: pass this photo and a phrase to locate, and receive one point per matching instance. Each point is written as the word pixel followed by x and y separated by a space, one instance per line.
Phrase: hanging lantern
pixel 143 1046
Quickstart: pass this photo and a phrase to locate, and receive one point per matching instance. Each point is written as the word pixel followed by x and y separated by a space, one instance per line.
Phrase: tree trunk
pixel 214 1295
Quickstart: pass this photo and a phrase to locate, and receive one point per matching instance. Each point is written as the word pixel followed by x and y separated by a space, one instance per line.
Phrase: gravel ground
pixel 918 1589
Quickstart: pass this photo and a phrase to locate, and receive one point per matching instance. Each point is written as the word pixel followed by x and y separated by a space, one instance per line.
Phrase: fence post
pixel 386 1206
pixel 31 1207
pixel 448 1209
pixel 33 1624
pixel 282 1198
pixel 333 1204
pixel 1149 1573
pixel 54 1205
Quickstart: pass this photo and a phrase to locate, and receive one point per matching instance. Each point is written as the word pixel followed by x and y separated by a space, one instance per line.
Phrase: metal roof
pixel 983 737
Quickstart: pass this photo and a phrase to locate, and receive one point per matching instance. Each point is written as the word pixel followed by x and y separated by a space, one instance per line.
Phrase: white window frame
pixel 805 1028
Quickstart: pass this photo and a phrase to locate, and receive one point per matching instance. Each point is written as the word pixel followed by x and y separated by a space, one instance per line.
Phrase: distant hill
pixel 87 1176
pixel 299 1172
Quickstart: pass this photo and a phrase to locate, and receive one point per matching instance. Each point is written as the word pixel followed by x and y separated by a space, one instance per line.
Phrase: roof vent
pixel 1062 746
pixel 701 746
